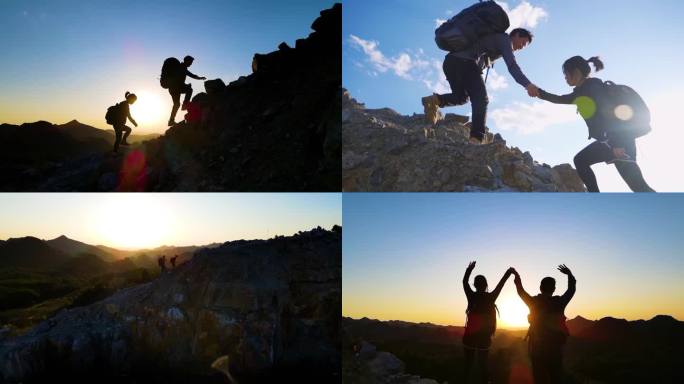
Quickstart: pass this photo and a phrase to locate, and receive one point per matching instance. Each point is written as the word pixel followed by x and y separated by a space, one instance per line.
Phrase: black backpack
pixel 627 108
pixel 547 321
pixel 113 115
pixel 481 314
pixel 170 71
pixel 471 24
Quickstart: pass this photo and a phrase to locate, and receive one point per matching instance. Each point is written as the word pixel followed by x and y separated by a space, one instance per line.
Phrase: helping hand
pixel 532 90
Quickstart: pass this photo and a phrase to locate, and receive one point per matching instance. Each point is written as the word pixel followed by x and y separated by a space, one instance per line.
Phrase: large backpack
pixel 481 315
pixel 627 109
pixel 470 25
pixel 170 71
pixel 547 321
pixel 114 115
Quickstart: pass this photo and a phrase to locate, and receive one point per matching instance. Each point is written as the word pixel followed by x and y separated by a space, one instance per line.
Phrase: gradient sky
pixel 404 255
pixel 136 220
pixel 65 60
pixel 638 41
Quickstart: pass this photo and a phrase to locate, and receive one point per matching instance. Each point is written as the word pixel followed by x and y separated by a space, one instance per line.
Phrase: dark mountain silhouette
pixel 608 350
pixel 74 248
pixel 30 252
pixel 34 152
pixel 277 129
pixel 272 306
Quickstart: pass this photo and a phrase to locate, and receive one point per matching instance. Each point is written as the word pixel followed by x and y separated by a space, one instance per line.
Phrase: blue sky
pixel 390 60
pixel 405 254
pixel 66 60
pixel 134 220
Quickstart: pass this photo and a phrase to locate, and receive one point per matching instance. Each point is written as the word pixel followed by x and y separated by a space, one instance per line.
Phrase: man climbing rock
pixel 474 43
pixel 173 78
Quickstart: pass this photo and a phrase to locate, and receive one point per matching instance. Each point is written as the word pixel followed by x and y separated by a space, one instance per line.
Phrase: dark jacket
pixel 491 48
pixel 592 102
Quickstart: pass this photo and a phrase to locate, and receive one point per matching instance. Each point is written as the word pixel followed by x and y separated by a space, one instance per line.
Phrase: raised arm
pixel 570 292
pixel 466 279
pixel 497 290
pixel 526 298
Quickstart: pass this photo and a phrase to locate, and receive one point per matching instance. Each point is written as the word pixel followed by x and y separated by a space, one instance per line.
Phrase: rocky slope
pixel 272 306
pixel 277 129
pixel 385 151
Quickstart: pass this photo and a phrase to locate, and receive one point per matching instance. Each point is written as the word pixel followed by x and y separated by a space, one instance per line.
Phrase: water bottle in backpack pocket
pixel 467 27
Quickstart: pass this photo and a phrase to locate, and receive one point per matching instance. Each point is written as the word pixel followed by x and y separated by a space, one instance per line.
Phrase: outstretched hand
pixel 203 78
pixel 471 266
pixel 511 271
pixel 532 90
pixel 564 270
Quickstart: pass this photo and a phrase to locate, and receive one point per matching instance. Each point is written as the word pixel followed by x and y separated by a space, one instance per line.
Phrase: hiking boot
pixel 474 140
pixel 171 122
pixel 431 108
pixel 125 143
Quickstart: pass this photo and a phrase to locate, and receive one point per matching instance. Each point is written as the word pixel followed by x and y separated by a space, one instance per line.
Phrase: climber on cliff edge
pixel 173 78
pixel 475 42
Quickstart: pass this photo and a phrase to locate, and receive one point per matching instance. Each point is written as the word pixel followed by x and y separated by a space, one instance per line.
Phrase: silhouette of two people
pixel 547 332
pixel 117 116
pixel 173 78
pixel 162 262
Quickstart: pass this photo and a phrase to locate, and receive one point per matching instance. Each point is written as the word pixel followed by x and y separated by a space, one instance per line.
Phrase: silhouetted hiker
pixel 480 322
pixel 615 116
pixel 162 263
pixel 474 44
pixel 173 78
pixel 117 115
pixel 548 332
pixel 173 261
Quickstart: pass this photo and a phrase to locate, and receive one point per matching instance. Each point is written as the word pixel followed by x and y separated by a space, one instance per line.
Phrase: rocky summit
pixel 254 309
pixel 386 151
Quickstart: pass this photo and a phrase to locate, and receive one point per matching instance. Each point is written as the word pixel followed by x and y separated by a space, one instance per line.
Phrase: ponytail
pixel 579 63
pixel 598 64
pixel 127 93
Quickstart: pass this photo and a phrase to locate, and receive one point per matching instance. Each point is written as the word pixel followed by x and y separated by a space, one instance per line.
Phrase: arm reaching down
pixel 504 44
pixel 497 290
pixel 131 118
pixel 194 76
pixel 570 292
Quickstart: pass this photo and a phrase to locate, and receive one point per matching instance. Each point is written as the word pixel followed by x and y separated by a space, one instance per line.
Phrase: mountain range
pixel 607 350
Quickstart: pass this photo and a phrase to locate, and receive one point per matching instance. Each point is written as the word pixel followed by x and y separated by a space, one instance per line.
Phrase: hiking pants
pixel 465 79
pixel 547 363
pixel 175 95
pixel 598 152
pixel 122 132
pixel 481 375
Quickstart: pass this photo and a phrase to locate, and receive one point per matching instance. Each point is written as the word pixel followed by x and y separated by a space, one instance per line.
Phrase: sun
pixel 134 221
pixel 148 109
pixel 513 312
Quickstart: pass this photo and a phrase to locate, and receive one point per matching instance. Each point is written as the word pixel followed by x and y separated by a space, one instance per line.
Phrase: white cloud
pixel 525 15
pixel 495 81
pixel 401 65
pixel 439 22
pixel 529 118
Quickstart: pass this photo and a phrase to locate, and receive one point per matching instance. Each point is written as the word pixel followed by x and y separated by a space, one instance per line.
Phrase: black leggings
pixel 465 79
pixel 175 96
pixel 598 152
pixel 122 132
pixel 481 364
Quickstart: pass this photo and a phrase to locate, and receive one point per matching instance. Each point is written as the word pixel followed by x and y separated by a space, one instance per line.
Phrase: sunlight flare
pixel 148 109
pixel 513 312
